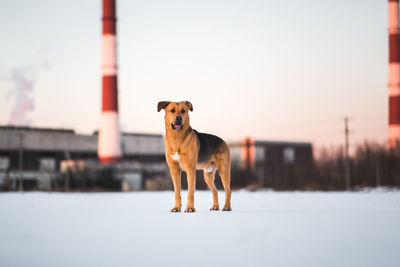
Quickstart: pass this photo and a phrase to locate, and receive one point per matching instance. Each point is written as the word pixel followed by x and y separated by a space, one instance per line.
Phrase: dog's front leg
pixel 191 180
pixel 176 180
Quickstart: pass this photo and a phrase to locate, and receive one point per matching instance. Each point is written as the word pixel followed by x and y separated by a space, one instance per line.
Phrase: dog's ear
pixel 190 106
pixel 162 104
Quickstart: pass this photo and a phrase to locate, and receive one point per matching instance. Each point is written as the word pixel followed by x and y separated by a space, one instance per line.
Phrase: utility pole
pixel 347 162
pixel 67 178
pixel 67 171
pixel 21 162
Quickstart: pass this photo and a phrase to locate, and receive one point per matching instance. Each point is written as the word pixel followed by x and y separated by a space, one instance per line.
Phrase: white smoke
pixel 22 80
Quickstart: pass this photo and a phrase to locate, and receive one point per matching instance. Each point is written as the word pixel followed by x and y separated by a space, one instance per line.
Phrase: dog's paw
pixel 176 209
pixel 216 207
pixel 190 210
pixel 226 208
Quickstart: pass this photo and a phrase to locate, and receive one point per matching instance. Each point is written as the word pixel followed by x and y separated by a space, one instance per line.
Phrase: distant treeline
pixel 371 165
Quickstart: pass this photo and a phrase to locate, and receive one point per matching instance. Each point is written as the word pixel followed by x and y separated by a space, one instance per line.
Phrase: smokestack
pixel 394 74
pixel 248 153
pixel 109 146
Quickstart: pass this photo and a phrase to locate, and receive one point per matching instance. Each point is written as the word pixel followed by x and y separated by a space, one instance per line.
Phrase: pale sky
pixel 272 70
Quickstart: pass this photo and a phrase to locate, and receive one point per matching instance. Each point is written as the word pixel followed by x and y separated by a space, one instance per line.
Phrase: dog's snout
pixel 178 118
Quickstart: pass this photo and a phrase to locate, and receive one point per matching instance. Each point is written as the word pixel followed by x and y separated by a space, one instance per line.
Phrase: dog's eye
pixel 183 111
pixel 173 110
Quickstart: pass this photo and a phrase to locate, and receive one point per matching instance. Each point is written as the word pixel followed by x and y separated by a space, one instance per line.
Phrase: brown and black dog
pixel 188 150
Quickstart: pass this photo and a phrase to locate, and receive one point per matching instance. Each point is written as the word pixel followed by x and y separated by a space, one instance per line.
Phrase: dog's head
pixel 176 114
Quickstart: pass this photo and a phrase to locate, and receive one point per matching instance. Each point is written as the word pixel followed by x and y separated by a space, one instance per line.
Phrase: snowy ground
pixel 137 229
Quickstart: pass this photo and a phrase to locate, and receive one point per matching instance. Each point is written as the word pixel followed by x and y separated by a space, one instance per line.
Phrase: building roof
pixel 282 143
pixel 136 134
pixel 26 128
pixel 65 140
pixel 272 143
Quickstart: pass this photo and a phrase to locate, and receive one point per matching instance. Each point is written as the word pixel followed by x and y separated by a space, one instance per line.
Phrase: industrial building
pixel 271 164
pixel 39 156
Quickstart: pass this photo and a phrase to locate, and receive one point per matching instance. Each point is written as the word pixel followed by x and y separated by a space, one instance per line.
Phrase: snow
pixel 137 229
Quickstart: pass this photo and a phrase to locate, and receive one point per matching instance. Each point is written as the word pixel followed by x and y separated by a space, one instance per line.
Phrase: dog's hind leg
pixel 226 182
pixel 209 177
pixel 224 169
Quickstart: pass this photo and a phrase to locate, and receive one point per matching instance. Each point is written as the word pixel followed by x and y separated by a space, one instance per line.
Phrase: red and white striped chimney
pixel 109 145
pixel 394 74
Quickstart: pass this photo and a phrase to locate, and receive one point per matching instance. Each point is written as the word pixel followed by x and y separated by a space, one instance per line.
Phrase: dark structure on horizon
pixel 271 164
pixel 38 156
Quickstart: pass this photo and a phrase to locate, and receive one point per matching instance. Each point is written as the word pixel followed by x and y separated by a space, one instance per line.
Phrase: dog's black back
pixel 208 145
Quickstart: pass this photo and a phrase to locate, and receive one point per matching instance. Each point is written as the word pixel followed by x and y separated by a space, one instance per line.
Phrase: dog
pixel 188 150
